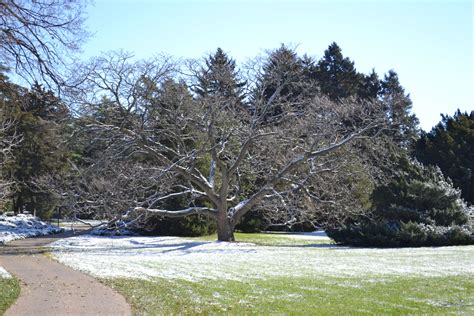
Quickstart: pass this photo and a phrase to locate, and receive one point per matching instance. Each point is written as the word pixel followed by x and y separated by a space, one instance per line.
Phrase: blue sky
pixel 428 43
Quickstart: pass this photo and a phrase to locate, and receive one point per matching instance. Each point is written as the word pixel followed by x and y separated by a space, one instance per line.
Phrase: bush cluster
pixel 418 208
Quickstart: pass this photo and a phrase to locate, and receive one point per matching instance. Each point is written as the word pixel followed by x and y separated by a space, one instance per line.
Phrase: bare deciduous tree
pixel 8 140
pixel 229 160
pixel 37 37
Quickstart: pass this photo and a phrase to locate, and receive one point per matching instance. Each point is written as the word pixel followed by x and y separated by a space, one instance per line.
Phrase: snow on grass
pixel 23 226
pixel 181 258
pixel 4 274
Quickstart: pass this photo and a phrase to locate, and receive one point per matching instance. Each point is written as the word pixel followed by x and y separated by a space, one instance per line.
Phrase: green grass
pixel 9 291
pixel 266 239
pixel 301 296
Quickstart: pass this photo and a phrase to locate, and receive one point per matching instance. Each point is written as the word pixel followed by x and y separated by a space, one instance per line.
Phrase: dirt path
pixel 50 288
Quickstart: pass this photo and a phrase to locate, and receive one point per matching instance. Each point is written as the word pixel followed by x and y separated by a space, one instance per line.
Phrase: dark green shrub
pixel 252 222
pixel 190 226
pixel 418 208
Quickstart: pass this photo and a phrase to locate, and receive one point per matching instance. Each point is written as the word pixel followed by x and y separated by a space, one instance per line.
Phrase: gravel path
pixel 49 288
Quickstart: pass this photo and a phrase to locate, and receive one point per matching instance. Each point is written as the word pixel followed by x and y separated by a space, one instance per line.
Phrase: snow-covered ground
pixel 23 226
pixel 4 274
pixel 181 258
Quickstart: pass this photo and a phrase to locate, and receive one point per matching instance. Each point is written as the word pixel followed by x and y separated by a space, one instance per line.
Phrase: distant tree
pixel 371 87
pixel 336 75
pixel 284 81
pixel 398 106
pixel 219 78
pixel 338 78
pixel 450 145
pixel 37 37
pixel 37 115
pixel 219 81
pixel 281 69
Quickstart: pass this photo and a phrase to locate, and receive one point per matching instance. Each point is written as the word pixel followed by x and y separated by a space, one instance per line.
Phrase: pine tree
pixel 219 78
pixel 418 207
pixel 371 86
pixel 286 79
pixel 404 124
pixel 38 116
pixel 336 74
pixel 450 145
pixel 283 68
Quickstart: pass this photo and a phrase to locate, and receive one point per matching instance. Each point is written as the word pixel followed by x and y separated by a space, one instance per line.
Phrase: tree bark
pixel 225 228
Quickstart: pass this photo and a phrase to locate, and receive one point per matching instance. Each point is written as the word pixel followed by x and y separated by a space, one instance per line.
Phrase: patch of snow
pixel 181 258
pixel 24 226
pixel 4 274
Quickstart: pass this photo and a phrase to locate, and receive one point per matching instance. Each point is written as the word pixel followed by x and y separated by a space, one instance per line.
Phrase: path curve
pixel 50 288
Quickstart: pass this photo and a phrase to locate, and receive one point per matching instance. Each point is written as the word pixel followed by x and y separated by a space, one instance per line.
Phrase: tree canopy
pixel 450 146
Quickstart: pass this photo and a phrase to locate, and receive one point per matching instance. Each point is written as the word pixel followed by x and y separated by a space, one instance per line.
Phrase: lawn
pixel 300 296
pixel 9 291
pixel 275 239
pixel 275 273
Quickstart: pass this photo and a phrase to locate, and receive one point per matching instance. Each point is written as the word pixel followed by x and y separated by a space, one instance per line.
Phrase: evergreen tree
pixel 38 116
pixel 283 68
pixel 404 124
pixel 216 84
pixel 285 81
pixel 371 86
pixel 336 74
pixel 450 145
pixel 219 78
pixel 419 207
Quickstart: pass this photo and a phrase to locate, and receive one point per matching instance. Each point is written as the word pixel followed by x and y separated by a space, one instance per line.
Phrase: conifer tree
pixel 285 79
pixel 371 86
pixel 418 207
pixel 283 68
pixel 336 74
pixel 38 116
pixel 450 146
pixel 219 78
pixel 404 129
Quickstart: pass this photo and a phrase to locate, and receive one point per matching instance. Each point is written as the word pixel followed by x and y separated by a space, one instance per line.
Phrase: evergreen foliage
pixel 169 111
pixel 285 80
pixel 190 226
pixel 450 146
pixel 38 115
pixel 404 124
pixel 219 78
pixel 282 68
pixel 371 87
pixel 418 208
pixel 336 75
pixel 253 222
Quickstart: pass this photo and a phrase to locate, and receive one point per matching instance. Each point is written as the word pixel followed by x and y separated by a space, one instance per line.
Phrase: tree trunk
pixel 16 204
pixel 225 229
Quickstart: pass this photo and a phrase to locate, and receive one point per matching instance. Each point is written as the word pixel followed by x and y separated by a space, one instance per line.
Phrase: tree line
pixel 268 145
pixel 282 142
